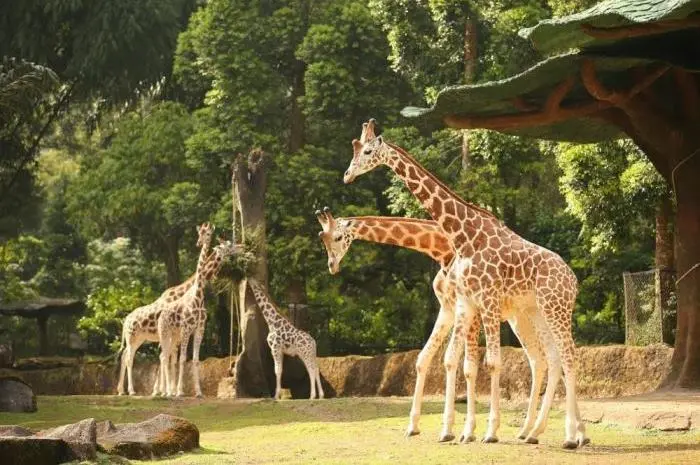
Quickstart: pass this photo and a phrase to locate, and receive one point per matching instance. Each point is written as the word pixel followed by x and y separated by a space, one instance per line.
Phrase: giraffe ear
pixel 380 140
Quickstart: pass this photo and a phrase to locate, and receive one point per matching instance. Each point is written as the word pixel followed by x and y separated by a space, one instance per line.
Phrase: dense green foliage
pixel 109 209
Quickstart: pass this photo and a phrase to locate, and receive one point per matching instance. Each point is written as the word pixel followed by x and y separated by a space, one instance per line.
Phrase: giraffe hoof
pixel 531 440
pixel 583 441
pixel 570 444
pixel 120 393
pixel 466 439
pixel 411 432
pixel 446 437
pixel 199 395
pixel 490 440
pixel 522 436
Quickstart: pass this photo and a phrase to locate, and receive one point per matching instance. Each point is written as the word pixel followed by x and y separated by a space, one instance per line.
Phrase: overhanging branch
pixel 598 90
pixel 639 30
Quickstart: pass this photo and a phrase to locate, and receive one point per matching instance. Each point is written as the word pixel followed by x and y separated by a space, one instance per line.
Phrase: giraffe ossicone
pixel 506 273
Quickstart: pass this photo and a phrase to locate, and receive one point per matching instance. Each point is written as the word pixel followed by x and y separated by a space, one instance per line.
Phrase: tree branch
pixel 600 92
pixel 690 97
pixel 555 98
pixel 638 30
pixel 527 119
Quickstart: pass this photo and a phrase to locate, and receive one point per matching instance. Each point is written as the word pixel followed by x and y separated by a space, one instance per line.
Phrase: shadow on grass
pixel 625 449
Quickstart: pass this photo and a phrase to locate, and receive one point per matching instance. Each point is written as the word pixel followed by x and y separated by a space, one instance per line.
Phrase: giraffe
pixel 187 317
pixel 426 237
pixel 283 338
pixel 140 325
pixel 496 272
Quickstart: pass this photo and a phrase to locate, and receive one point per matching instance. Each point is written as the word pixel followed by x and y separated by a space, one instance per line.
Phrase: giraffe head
pixel 336 237
pixel 368 153
pixel 205 231
pixel 225 249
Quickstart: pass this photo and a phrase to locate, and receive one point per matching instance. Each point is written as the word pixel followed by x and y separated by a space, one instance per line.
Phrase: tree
pixel 626 79
pixel 141 185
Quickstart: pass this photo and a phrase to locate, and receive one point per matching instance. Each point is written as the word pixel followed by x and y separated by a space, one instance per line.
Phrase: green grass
pixel 358 431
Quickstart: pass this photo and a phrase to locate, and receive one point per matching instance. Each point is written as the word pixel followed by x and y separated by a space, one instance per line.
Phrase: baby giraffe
pixel 284 338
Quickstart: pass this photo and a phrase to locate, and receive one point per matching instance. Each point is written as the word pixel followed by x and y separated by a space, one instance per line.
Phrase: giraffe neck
pixel 199 278
pixel 267 307
pixel 422 235
pixel 457 219
pixel 212 267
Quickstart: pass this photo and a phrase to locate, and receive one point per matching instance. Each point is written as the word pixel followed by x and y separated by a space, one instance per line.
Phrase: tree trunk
pixel 222 315
pixel 254 368
pixel 663 263
pixel 685 369
pixel 470 56
pixel 171 258
pixel 42 323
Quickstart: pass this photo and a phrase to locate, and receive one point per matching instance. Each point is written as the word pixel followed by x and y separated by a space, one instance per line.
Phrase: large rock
pixel 81 438
pixel 14 431
pixel 33 450
pixel 160 436
pixel 16 396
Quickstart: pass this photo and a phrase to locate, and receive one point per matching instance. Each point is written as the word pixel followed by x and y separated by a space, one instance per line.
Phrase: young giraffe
pixel 187 316
pixel 284 338
pixel 141 324
pixel 495 271
pixel 426 237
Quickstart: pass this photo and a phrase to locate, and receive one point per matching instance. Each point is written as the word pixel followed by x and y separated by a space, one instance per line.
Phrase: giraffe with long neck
pixel 213 264
pixel 285 339
pixel 496 272
pixel 426 237
pixel 181 319
pixel 141 324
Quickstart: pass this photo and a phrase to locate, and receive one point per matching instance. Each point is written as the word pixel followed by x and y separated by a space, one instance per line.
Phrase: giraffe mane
pixel 432 177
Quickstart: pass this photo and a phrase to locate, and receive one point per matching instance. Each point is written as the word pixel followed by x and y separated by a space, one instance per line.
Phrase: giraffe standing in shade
pixel 141 324
pixel 426 237
pixel 285 339
pixel 496 272
pixel 186 317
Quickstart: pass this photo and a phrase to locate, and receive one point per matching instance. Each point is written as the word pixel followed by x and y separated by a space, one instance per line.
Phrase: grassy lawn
pixel 358 431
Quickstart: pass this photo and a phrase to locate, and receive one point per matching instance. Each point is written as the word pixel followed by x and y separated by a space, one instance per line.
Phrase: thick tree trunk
pixel 470 56
pixel 663 263
pixel 254 369
pixel 222 317
pixel 171 258
pixel 686 357
pixel 42 323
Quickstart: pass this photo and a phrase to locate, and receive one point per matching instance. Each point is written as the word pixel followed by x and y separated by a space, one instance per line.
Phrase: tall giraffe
pixel 426 237
pixel 285 339
pixel 140 325
pixel 185 317
pixel 495 271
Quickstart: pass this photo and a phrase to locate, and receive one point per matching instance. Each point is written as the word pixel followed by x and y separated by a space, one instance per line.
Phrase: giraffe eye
pixel 367 151
pixel 337 238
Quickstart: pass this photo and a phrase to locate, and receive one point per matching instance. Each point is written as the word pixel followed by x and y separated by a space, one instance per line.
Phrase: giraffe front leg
pixel 471 370
pixel 451 358
pixel 196 344
pixel 278 358
pixel 183 358
pixel 493 364
pixel 425 358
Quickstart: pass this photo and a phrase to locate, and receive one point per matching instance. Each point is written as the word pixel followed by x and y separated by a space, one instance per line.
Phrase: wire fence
pixel 650 307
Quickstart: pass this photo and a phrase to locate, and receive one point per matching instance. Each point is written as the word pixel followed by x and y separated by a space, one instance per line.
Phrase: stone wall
pixel 603 371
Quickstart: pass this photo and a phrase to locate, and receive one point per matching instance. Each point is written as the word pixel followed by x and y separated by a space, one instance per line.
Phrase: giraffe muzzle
pixel 333 267
pixel 348 177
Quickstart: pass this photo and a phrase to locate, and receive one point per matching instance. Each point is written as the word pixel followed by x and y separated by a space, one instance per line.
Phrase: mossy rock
pixel 33 450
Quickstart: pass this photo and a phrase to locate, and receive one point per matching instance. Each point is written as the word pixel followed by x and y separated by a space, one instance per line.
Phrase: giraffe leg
pixel 311 370
pixel 524 328
pixel 278 358
pixel 132 348
pixel 425 358
pixel 471 370
pixel 557 314
pixel 492 331
pixel 452 353
pixel 196 344
pixel 183 358
pixel 321 395
pixel 553 374
pixel 157 383
pixel 122 369
pixel 164 365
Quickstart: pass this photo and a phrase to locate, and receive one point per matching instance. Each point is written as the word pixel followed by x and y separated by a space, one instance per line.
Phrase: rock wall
pixel 603 371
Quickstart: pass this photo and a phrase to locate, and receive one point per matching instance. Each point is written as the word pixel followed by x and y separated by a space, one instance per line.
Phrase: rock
pixel 6 356
pixel 81 438
pixel 664 421
pixel 104 427
pixel 14 431
pixel 16 396
pixel 160 436
pixel 33 450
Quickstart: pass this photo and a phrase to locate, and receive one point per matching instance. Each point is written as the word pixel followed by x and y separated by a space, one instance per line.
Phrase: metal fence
pixel 650 307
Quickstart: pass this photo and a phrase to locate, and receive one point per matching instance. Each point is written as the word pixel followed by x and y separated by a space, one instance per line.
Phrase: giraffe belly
pixel 518 303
